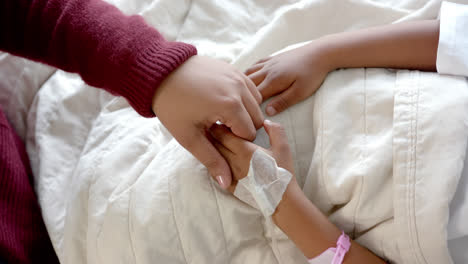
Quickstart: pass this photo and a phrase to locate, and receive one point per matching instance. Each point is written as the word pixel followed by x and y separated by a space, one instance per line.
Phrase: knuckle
pixel 237 80
pixel 258 96
pixel 267 83
pixel 271 74
pixel 258 123
pixel 274 75
pixel 231 103
pixel 251 134
pixel 281 103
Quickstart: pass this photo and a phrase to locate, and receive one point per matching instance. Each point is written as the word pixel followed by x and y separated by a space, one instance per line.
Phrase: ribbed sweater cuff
pixel 149 70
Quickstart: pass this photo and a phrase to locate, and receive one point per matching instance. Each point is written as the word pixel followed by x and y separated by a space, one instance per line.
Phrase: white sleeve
pixel 452 53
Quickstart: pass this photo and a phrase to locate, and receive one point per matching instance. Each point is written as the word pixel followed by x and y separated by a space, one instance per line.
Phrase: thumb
pixel 209 156
pixel 283 100
pixel 277 135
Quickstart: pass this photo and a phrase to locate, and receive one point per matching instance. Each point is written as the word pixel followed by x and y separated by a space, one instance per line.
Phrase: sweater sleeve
pixel 121 54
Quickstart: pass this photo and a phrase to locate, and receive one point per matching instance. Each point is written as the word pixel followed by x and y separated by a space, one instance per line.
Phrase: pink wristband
pixel 334 255
pixel 342 246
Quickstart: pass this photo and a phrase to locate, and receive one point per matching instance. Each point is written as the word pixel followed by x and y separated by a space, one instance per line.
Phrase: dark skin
pixel 293 76
pixel 296 215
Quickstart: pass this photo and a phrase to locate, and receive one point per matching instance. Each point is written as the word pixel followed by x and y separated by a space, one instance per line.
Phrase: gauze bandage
pixel 264 185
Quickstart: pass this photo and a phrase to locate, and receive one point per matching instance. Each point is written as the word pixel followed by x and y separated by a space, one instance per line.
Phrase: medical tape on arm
pixel 264 185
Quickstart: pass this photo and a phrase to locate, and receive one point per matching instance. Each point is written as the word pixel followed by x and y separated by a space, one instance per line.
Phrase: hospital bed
pixel 115 187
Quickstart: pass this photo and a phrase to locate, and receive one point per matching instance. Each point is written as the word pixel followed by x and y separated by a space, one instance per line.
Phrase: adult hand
pixel 238 152
pixel 199 93
pixel 291 76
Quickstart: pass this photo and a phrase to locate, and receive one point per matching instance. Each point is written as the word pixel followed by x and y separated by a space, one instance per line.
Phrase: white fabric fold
pixel 452 58
pixel 452 52
pixel 117 188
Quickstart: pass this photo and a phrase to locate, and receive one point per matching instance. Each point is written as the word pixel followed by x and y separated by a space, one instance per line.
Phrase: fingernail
pixel 270 110
pixel 267 122
pixel 220 181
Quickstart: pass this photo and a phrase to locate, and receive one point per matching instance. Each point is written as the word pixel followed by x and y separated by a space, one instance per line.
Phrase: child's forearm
pixel 310 230
pixel 410 45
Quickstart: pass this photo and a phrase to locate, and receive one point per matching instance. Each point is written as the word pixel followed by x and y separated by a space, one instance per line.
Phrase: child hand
pixel 238 152
pixel 291 76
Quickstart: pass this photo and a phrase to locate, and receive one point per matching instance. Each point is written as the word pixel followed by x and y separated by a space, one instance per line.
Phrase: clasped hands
pixel 203 91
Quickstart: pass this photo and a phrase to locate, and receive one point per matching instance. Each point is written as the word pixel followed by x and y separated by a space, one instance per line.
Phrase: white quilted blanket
pixel 379 151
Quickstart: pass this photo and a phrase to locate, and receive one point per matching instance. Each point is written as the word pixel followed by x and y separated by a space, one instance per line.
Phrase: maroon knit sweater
pixel 118 53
